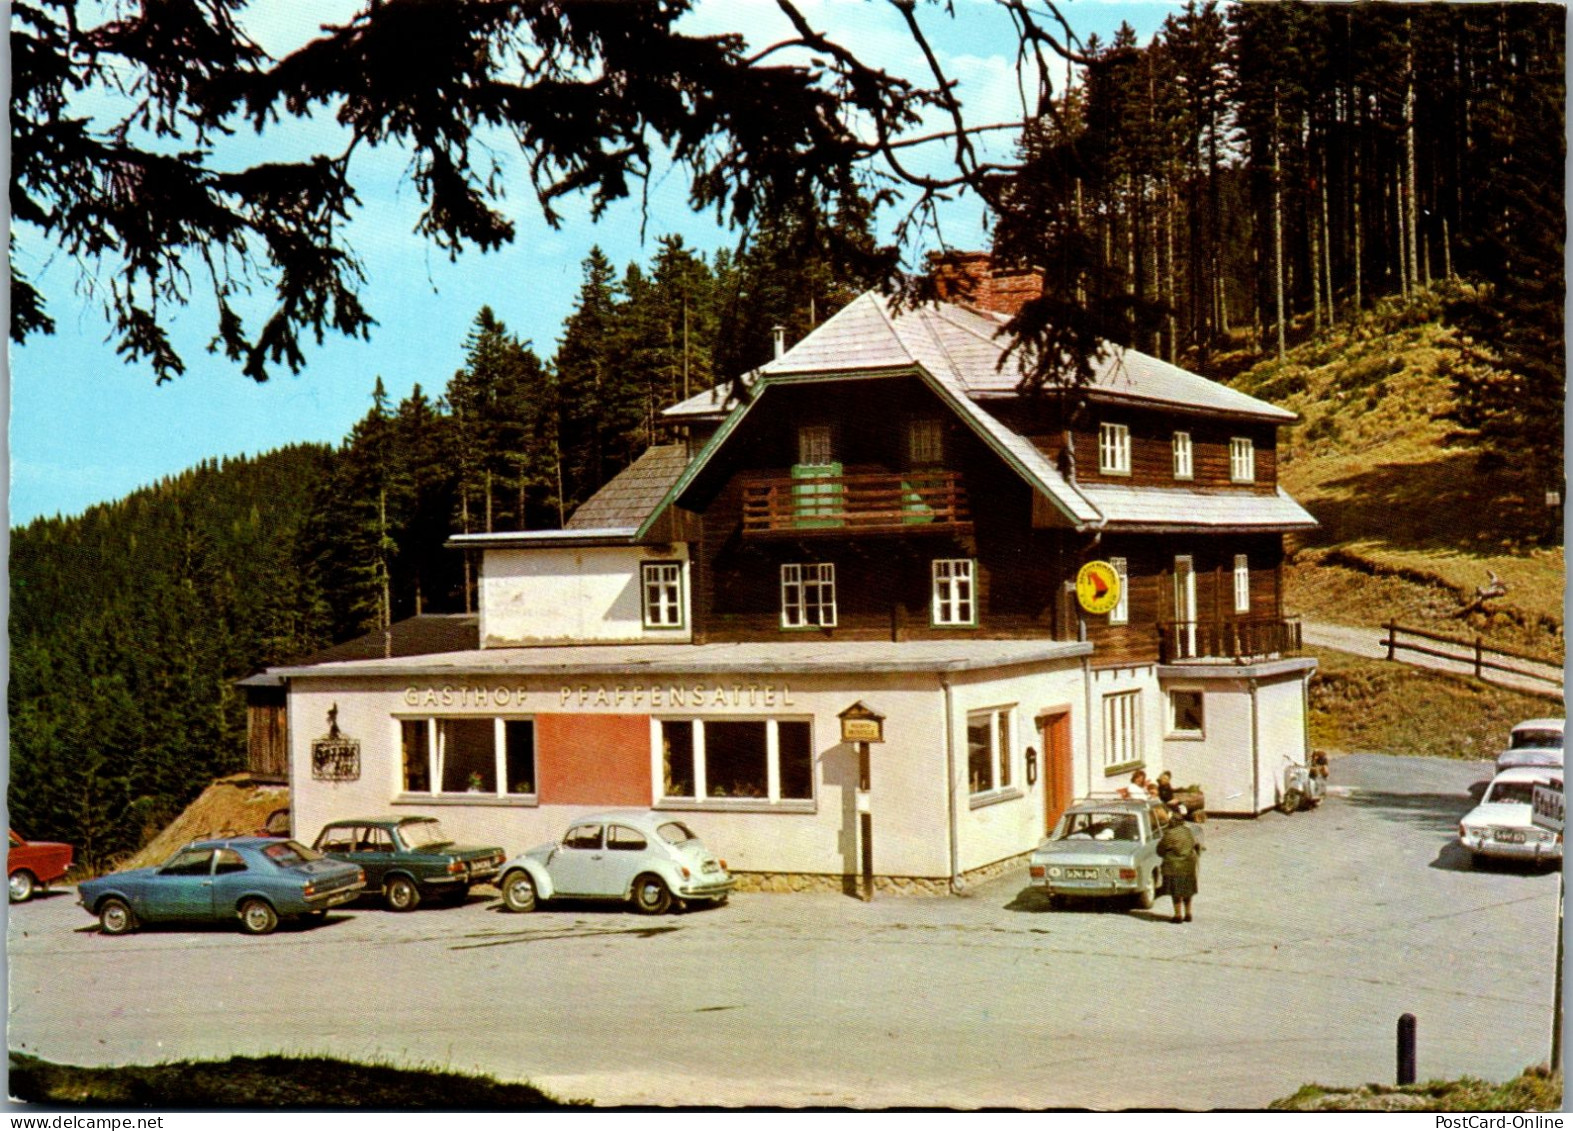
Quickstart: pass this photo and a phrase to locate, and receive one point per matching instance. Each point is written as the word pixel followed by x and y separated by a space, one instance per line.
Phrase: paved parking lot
pixel 1313 934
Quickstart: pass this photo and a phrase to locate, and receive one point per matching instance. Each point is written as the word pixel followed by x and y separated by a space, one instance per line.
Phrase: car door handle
pixel 207 883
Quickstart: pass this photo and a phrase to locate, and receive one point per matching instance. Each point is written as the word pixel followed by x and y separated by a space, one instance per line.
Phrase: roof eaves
pixel 1267 412
pixel 501 539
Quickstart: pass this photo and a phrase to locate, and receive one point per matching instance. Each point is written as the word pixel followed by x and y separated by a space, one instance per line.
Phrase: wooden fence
pixel 1473 652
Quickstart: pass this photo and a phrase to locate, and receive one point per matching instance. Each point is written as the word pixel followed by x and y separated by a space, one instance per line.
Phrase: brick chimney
pixel 971 279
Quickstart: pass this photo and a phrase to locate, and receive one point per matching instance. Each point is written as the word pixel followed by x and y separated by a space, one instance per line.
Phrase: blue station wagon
pixel 255 880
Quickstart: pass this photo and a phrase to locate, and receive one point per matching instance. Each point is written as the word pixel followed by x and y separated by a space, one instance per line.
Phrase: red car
pixel 34 865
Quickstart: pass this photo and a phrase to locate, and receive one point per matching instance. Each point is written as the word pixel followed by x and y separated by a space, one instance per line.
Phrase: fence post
pixel 1392 638
pixel 1477 657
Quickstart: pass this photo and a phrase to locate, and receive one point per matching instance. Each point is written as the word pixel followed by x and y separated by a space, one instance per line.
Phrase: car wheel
pixel 22 884
pixel 115 918
pixel 1289 802
pixel 1148 894
pixel 518 891
pixel 651 896
pixel 257 917
pixel 402 894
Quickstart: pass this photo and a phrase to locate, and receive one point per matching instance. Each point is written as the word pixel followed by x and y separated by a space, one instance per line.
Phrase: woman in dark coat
pixel 1179 850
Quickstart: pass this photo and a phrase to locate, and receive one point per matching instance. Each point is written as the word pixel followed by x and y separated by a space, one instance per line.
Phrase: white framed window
pixel 1185 712
pixel 1242 460
pixel 954 598
pixel 808 595
pixel 990 750
pixel 1242 584
pixel 1122 731
pixel 1114 449
pixel 662 587
pixel 813 445
pixel 1121 613
pixel 748 760
pixel 493 757
pixel 925 441
pixel 1182 456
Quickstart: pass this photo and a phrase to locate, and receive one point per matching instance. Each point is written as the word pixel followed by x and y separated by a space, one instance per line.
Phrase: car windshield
pixel 289 853
pixel 423 834
pixel 1537 737
pixel 1510 791
pixel 1095 825
pixel 675 832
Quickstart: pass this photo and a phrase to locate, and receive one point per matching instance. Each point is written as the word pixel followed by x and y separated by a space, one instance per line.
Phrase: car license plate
pixel 1081 873
pixel 1509 836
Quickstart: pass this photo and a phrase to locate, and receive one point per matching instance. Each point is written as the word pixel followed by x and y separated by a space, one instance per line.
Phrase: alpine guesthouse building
pixel 836 626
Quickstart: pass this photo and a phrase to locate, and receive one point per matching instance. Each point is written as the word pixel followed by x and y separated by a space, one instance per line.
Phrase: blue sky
pixel 86 428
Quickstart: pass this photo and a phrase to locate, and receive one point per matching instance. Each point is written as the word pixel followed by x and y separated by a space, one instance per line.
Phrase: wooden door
pixel 1058 784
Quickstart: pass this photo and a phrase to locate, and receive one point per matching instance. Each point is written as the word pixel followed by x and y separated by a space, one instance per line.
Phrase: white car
pixel 1534 742
pixel 646 859
pixel 1501 826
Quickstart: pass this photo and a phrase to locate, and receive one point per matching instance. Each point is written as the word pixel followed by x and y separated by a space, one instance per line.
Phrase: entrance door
pixel 1185 607
pixel 1057 781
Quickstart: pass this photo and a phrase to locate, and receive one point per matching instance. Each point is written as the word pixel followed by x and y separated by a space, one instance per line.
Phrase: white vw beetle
pixel 646 859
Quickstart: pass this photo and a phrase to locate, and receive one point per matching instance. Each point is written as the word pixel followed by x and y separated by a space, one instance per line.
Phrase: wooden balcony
pixel 1247 638
pixel 917 502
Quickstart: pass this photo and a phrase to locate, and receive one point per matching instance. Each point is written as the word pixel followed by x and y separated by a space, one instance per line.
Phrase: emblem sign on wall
pixel 1098 587
pixel 335 756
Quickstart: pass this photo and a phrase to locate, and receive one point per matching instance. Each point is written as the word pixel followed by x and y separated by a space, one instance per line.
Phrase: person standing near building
pixel 1179 850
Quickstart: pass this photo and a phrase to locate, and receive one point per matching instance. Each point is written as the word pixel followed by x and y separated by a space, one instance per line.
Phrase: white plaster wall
pixel 1221 762
pixel 1281 727
pixel 908 799
pixel 1090 774
pixel 999 829
pixel 559 595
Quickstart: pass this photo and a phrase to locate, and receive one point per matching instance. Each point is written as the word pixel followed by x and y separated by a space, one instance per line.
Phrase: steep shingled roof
pixel 632 493
pixel 964 345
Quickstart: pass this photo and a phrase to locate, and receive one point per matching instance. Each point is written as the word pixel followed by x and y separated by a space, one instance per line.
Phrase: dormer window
pixel 1242 460
pixel 925 442
pixel 1114 449
pixel 1182 455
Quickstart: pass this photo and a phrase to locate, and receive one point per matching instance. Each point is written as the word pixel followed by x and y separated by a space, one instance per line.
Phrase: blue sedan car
pixel 255 880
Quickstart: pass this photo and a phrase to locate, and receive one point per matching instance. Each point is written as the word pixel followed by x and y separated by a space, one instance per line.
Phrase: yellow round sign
pixel 1098 587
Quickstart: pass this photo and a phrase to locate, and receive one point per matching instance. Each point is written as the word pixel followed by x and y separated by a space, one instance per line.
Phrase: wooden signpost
pixel 861 725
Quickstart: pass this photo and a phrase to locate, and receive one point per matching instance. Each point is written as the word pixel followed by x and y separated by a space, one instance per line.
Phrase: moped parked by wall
pixel 1304 785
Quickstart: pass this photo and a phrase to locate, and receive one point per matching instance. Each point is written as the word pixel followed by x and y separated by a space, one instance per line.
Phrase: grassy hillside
pixel 1411 522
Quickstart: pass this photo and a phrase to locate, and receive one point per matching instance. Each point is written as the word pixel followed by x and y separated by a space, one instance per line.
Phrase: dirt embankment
pixel 238 805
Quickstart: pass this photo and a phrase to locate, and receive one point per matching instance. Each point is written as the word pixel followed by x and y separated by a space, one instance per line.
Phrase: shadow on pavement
pixel 1442 809
pixel 1454 857
pixel 1030 900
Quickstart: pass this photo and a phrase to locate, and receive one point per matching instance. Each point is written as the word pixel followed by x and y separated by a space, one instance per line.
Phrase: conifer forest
pixel 1253 175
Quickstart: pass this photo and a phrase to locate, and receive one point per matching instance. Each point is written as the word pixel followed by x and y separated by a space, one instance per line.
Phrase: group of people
pixel 1177 846
pixel 1161 790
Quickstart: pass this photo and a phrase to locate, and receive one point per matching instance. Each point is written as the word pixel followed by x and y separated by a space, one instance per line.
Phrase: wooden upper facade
pixel 885 480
